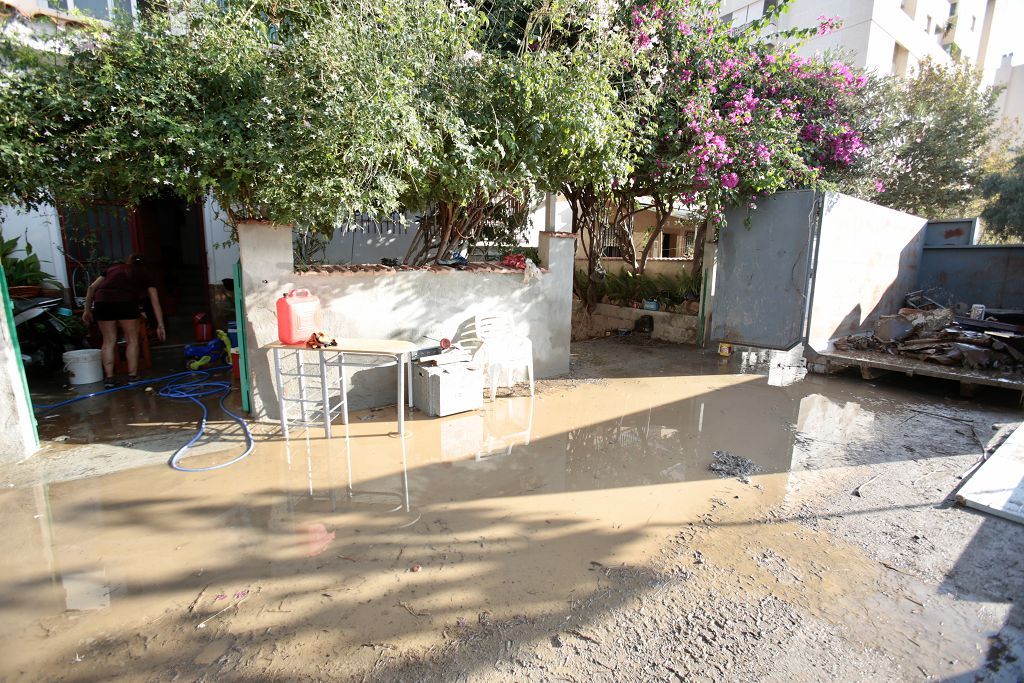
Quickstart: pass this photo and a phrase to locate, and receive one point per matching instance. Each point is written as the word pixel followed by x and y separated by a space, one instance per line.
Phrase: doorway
pixel 167 230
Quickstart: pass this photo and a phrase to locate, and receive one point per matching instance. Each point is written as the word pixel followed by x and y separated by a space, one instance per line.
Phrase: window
pixel 610 242
pixel 678 245
pixel 974 22
pixel 900 56
pixel 98 9
pixel 952 9
pixel 768 4
pixel 928 24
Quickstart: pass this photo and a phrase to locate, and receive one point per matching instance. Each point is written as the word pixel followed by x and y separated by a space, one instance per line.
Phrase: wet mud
pixel 469 548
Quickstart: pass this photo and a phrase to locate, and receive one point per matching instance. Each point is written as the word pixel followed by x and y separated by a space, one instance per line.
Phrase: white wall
pixel 868 259
pixel 17 425
pixel 221 250
pixel 42 229
pixel 407 305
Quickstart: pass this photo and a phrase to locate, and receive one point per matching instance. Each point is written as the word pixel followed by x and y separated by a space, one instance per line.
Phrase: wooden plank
pixel 997 487
pixel 912 366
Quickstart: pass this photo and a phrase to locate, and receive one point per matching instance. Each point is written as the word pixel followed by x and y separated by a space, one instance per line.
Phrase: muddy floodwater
pixel 329 558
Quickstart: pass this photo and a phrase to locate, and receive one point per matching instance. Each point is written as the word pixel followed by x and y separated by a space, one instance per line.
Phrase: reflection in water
pixel 504 508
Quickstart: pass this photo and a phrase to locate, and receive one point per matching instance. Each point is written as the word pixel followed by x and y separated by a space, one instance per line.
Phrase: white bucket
pixel 84 366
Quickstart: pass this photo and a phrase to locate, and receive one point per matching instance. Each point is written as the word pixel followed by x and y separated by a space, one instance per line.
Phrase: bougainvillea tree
pixel 737 116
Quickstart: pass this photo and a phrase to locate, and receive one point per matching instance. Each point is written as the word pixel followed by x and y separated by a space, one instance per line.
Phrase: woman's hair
pixel 134 259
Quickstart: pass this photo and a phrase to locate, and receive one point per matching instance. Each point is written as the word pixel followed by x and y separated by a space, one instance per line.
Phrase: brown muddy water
pixel 316 553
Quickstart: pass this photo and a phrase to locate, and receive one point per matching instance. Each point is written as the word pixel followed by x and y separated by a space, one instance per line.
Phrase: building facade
pixel 886 36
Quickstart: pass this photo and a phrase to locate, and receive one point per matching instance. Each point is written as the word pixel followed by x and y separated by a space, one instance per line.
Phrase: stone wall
pixel 607 319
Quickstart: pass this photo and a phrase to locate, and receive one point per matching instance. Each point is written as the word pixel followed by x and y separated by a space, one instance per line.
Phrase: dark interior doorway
pixel 167 230
pixel 172 243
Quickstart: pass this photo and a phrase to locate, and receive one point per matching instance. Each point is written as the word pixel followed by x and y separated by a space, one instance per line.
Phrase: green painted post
pixel 9 314
pixel 243 344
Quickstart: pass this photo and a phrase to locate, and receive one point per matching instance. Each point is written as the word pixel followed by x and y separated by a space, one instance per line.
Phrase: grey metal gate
pixel 763 281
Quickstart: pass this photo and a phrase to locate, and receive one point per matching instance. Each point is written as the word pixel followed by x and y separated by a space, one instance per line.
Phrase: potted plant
pixel 25 276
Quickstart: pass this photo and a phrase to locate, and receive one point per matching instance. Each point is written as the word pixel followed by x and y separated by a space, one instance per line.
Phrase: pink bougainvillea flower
pixel 730 180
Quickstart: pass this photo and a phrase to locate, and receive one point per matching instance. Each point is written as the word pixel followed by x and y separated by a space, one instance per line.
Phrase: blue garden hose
pixel 179 386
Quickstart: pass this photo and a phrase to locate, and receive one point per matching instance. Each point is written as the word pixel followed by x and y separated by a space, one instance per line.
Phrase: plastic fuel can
pixel 298 316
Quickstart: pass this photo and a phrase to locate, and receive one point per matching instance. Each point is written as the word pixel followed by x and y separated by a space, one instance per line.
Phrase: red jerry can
pixel 298 316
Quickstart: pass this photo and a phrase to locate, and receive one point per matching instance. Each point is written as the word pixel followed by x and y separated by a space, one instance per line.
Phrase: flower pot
pixel 24 291
pixel 51 291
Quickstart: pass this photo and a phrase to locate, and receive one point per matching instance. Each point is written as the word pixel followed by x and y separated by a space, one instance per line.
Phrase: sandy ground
pixel 575 536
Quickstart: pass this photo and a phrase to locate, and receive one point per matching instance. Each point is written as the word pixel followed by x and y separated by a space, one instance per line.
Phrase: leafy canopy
pixel 287 111
pixel 1004 214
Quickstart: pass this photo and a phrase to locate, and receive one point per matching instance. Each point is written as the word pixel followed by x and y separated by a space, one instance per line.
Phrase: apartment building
pixel 888 36
pixel 893 36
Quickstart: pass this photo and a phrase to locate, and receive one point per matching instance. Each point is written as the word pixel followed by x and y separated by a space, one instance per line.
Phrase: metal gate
pixel 763 280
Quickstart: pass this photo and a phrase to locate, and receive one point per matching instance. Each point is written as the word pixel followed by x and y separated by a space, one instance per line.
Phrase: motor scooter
pixel 44 334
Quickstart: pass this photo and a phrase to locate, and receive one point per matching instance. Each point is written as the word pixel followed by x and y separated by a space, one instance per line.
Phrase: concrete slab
pixel 998 485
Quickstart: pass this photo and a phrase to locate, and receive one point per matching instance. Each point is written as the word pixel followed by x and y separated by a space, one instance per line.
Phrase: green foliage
pixel 622 288
pixel 1004 214
pixel 625 288
pixel 929 136
pixel 528 106
pixel 685 286
pixel 288 111
pixel 25 271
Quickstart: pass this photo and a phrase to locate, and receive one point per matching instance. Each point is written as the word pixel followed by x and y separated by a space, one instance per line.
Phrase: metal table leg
pixel 325 395
pixel 408 381
pixel 400 403
pixel 344 392
pixel 300 370
pixel 280 392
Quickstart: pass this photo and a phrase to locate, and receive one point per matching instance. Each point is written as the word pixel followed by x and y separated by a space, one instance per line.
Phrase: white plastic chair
pixel 504 350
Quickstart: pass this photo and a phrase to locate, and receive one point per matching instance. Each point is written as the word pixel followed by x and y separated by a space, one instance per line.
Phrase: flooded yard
pixel 576 535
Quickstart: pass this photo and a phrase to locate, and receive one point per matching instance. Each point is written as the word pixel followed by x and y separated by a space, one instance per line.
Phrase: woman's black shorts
pixel 115 310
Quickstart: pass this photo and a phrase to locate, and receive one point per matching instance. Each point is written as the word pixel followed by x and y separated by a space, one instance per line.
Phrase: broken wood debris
pixel 938 336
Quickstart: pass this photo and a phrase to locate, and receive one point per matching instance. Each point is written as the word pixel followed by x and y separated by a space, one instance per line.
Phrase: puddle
pixel 313 552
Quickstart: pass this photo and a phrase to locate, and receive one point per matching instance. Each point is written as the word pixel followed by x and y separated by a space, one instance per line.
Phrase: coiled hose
pixel 192 385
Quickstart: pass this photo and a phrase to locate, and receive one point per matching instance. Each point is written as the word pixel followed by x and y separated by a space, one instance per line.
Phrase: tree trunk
pixel 662 212
pixel 583 200
pixel 698 248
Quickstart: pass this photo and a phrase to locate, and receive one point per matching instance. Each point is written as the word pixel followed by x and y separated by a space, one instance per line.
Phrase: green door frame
pixel 243 343
pixel 9 314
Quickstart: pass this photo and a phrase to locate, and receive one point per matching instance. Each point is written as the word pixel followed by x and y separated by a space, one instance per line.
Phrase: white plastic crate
pixel 447 389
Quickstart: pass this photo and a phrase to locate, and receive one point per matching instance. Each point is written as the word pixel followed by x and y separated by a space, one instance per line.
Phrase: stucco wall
pixel 668 266
pixel 17 425
pixel 411 304
pixel 868 260
pixel 41 227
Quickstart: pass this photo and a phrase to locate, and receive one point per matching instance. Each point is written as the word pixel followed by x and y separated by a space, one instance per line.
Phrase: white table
pixel 394 352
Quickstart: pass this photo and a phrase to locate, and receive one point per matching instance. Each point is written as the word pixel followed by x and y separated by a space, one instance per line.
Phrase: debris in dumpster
pixel 928 332
pixel 726 464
